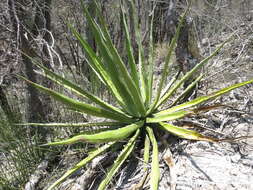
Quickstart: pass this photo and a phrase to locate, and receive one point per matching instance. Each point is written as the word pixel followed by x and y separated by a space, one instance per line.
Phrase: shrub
pixel 138 111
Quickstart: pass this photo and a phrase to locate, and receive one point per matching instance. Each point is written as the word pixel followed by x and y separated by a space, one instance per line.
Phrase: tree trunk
pixel 43 23
pixel 6 107
pixel 21 23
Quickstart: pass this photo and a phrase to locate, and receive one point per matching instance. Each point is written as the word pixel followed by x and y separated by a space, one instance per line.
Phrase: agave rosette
pixel 138 110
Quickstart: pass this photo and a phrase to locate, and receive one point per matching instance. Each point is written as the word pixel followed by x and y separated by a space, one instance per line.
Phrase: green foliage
pixel 138 110
pixel 19 156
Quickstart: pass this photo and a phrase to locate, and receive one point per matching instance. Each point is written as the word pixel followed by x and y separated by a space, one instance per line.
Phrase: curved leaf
pixel 81 164
pixel 104 136
pixel 109 78
pixel 130 53
pixel 86 124
pixel 115 64
pixel 120 160
pixel 146 152
pixel 185 133
pixel 127 78
pixel 150 71
pixel 189 74
pixel 80 106
pixel 155 171
pixel 181 113
pixel 187 90
pixel 73 87
pixel 141 61
pixel 202 99
pixel 168 116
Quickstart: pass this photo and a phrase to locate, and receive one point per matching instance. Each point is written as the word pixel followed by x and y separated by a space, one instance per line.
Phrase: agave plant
pixel 139 110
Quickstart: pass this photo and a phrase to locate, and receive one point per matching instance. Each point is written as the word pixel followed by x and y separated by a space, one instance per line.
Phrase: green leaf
pixel 170 83
pixel 137 32
pixel 79 106
pixel 119 161
pixel 168 116
pixel 150 74
pixel 104 136
pixel 130 53
pixel 86 124
pixel 109 78
pixel 71 86
pixel 185 133
pixel 109 71
pixel 114 62
pixel 155 172
pixel 187 90
pixel 189 74
pixel 202 99
pixel 81 164
pixel 146 152
pixel 167 61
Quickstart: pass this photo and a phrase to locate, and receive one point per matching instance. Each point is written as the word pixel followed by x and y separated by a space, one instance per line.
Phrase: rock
pixel 211 167
pixel 205 41
pixel 234 54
